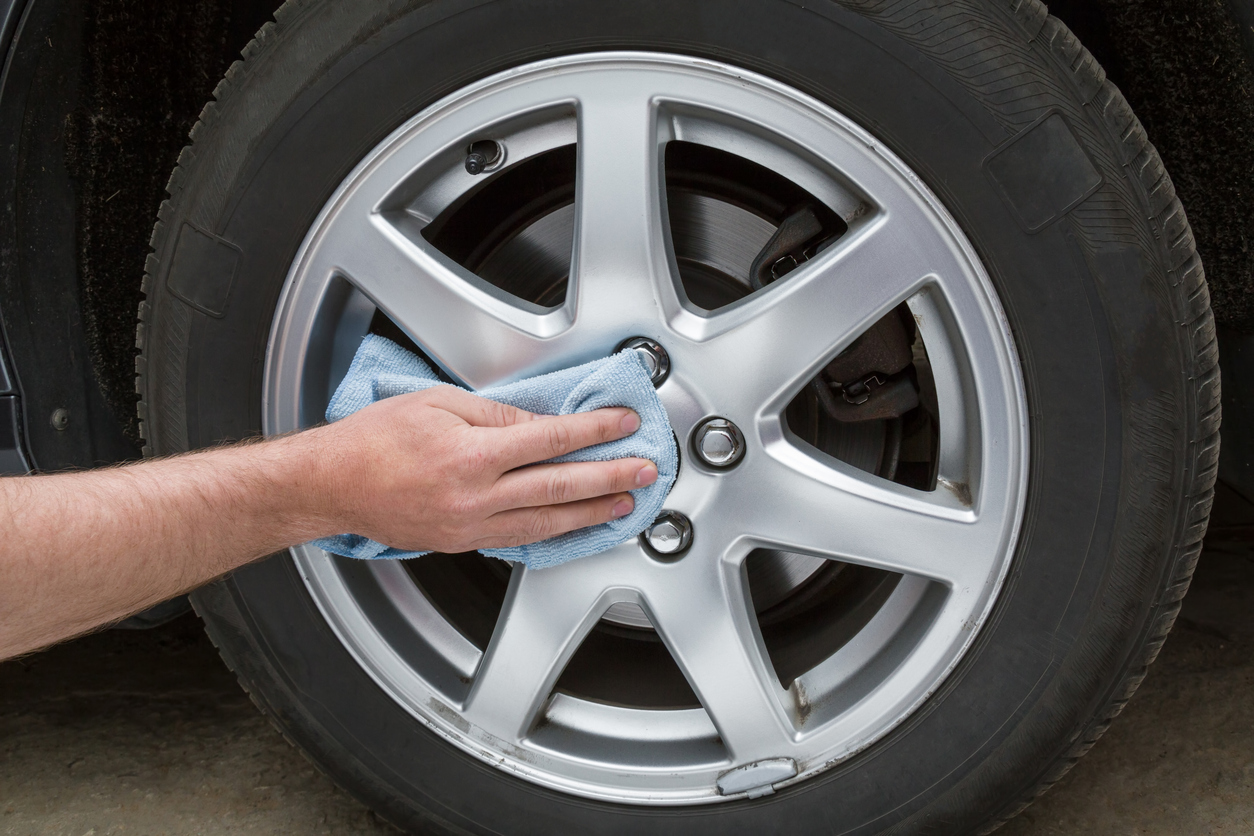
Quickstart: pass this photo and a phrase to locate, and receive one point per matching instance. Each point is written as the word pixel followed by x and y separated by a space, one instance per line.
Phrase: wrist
pixel 302 475
pixel 326 470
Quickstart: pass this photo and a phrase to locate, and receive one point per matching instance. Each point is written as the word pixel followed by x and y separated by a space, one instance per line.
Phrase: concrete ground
pixel 147 733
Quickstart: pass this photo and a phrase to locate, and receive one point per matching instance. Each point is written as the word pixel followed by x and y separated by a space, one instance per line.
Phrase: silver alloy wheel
pixel 743 362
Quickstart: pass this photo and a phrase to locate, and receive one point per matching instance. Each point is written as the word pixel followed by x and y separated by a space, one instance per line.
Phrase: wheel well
pixel 148 67
pixel 1187 69
pixel 97 102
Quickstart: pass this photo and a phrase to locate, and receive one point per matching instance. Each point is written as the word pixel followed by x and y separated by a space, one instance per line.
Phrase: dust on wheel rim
pixel 743 362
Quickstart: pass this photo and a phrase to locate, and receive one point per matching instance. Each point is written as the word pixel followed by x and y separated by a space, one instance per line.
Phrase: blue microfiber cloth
pixel 381 369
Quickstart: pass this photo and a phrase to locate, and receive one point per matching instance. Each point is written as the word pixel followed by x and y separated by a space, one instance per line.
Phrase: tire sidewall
pixel 1093 326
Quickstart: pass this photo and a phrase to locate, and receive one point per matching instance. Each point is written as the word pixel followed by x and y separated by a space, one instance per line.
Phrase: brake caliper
pixel 871 380
pixel 791 244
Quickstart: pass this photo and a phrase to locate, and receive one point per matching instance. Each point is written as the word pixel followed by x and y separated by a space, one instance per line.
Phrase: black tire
pixel 1107 301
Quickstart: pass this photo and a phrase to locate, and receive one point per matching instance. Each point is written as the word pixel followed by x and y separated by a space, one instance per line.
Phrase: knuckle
pixel 537 525
pixel 557 437
pixel 468 503
pixel 608 425
pixel 498 413
pixel 475 457
pixel 561 487
pixel 623 477
pixel 511 415
pixel 436 396
pixel 466 455
pixel 459 505
pixel 598 512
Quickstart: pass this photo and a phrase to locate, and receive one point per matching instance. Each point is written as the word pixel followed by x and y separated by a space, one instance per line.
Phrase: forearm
pixel 84 549
pixel 439 470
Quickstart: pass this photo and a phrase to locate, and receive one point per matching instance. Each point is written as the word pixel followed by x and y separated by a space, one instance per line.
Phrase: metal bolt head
pixel 719 443
pixel 670 533
pixel 655 357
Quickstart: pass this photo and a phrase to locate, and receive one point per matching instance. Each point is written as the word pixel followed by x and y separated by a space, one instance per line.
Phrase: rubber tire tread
pixel 1187 284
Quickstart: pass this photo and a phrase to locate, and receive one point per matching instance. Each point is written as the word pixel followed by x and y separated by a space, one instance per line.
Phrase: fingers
pixel 557 484
pixel 556 435
pixel 474 410
pixel 530 525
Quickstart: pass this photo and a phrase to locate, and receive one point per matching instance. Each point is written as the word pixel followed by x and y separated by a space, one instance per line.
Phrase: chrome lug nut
pixel 670 533
pixel 718 443
pixel 655 357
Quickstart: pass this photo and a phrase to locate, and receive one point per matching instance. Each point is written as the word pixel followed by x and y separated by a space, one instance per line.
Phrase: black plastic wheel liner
pixel 1121 394
pixel 97 100
pixel 43 326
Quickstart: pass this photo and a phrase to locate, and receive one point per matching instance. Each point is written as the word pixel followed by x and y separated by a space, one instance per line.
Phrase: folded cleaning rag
pixel 381 369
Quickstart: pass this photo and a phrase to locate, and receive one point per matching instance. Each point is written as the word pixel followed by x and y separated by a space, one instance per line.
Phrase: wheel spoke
pixel 800 504
pixel 475 331
pixel 620 271
pixel 768 346
pixel 545 616
pixel 706 619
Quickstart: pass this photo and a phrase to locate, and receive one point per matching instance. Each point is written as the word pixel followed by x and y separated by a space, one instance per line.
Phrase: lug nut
pixel 655 357
pixel 718 443
pixel 670 533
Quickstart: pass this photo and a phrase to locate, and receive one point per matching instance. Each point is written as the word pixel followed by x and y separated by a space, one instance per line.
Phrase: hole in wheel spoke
pixel 467 589
pixel 808 608
pixel 723 211
pixel 515 230
pixel 874 406
pixel 627 666
pixel 620 679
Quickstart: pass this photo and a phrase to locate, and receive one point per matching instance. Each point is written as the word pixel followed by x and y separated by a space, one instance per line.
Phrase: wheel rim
pixel 745 362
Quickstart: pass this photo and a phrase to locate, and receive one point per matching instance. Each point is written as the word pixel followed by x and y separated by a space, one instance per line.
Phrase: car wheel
pixel 918 257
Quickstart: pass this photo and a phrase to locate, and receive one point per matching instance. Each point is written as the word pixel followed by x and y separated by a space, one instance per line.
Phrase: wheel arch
pixel 96 99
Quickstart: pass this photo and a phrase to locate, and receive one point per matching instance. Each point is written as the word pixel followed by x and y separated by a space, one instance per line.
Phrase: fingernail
pixel 622 508
pixel 646 475
pixel 630 423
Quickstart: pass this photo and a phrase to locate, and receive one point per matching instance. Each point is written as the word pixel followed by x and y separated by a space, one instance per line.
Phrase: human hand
pixel 445 470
